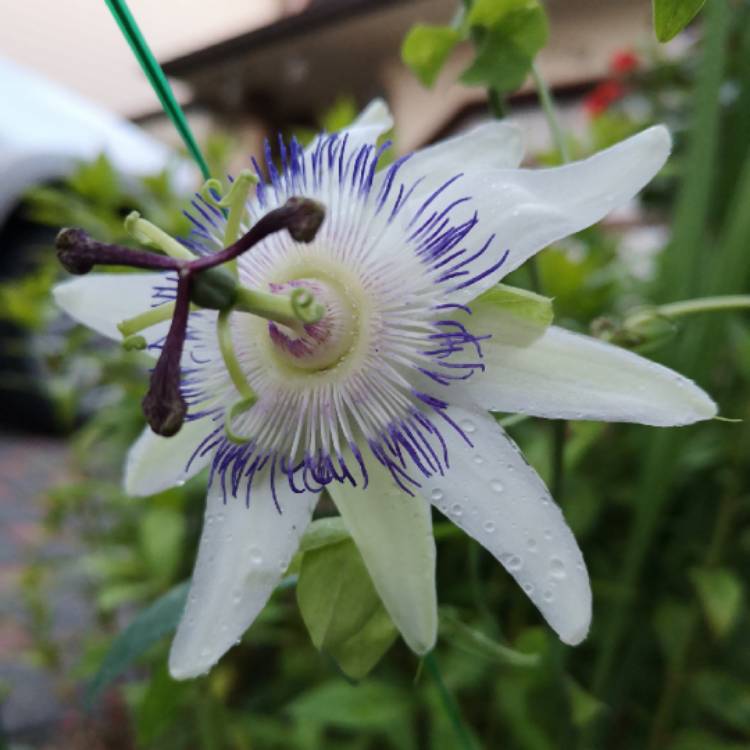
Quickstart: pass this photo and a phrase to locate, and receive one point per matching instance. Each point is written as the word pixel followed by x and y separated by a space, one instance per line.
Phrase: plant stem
pixel 690 307
pixel 449 703
pixel 550 112
pixel 557 484
pixel 559 427
pixel 676 672
pixel 677 278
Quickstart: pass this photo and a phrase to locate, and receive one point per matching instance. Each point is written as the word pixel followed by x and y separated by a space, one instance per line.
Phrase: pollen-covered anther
pixel 319 345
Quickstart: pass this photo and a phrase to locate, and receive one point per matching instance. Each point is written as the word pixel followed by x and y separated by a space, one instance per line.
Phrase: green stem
pixel 559 428
pixel 449 704
pixel 248 396
pixel 550 112
pixel 557 486
pixel 689 307
pixel 677 666
pixel 157 79
pixel 688 244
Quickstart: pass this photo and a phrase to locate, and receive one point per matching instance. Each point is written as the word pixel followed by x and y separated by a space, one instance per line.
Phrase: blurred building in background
pixel 293 69
pixel 255 67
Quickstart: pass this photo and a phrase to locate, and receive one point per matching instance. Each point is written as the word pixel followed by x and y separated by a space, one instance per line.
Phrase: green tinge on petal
pixel 521 303
pixel 393 532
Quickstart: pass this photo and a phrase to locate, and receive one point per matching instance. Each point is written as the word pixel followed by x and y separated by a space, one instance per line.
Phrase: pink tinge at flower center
pixel 316 346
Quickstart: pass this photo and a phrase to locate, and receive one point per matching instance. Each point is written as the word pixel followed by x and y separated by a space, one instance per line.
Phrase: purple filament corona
pixel 413 445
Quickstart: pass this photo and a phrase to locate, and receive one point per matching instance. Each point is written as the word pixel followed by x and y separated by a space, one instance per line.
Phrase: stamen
pixel 224 335
pixel 235 200
pixel 200 280
pixel 138 323
pixel 150 235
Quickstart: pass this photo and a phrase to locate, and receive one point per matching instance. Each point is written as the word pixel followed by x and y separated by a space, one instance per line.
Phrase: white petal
pixel 155 463
pixel 563 375
pixel 101 300
pixel 243 554
pixel 393 532
pixel 491 145
pixel 374 120
pixel 529 209
pixel 375 115
pixel 498 499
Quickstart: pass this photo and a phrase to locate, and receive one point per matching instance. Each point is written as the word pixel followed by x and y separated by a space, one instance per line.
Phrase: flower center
pixel 321 345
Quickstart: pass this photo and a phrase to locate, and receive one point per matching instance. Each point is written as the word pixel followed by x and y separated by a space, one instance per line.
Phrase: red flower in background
pixel 602 97
pixel 611 90
pixel 624 62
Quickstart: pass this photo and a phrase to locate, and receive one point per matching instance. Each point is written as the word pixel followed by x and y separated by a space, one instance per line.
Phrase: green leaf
pixel 162 531
pixel 372 705
pixel 583 706
pixel 341 609
pixel 358 655
pixel 322 532
pixel 160 705
pixel 672 623
pixel 699 739
pixel 725 698
pixel 490 13
pixel 149 626
pixel 426 48
pixel 531 307
pixel 672 16
pixel 475 642
pixel 507 49
pixel 720 593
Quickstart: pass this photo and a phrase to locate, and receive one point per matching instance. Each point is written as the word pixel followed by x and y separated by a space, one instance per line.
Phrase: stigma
pixel 322 344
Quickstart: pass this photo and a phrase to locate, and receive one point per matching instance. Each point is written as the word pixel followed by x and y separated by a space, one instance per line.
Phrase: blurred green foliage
pixel 661 515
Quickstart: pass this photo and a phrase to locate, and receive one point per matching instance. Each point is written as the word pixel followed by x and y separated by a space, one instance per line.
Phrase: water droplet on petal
pixel 489 526
pixel 478 460
pixel 457 509
pixel 512 562
pixel 255 555
pixel 236 597
pixel 548 596
pixel 547 534
pixel 468 426
pixel 436 495
pixel 531 544
pixel 497 486
pixel 557 568
pixel 528 588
